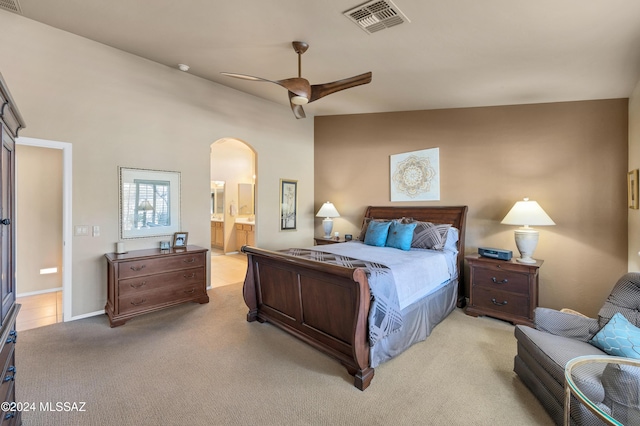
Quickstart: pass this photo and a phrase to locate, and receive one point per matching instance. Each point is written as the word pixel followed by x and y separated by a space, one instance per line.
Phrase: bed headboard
pixel 455 215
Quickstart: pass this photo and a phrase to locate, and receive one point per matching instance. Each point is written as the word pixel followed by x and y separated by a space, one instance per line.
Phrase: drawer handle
pixel 8 378
pixel 190 291
pixel 499 282
pixel 193 274
pixel 138 285
pixel 138 268
pixel 138 303
pixel 13 336
pixel 12 369
pixel 495 302
pixel 193 259
pixel 9 415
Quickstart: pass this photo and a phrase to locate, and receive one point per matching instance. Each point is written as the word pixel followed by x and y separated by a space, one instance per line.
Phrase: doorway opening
pixel 43 234
pixel 234 212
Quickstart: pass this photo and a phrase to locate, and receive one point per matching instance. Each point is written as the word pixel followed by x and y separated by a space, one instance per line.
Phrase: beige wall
pixel 121 110
pixel 570 157
pixel 39 209
pixel 634 163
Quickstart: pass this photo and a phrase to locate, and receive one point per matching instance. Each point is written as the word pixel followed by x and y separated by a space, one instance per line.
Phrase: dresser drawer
pixel 145 300
pixel 7 349
pixel 136 268
pixel 8 377
pixel 501 279
pixel 155 282
pixel 500 301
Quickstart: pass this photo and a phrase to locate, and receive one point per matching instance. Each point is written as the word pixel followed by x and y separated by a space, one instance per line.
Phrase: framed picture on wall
pixel 288 204
pixel 149 202
pixel 632 189
pixel 415 176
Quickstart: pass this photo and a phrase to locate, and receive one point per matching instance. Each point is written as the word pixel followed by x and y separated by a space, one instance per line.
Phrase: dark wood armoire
pixel 12 122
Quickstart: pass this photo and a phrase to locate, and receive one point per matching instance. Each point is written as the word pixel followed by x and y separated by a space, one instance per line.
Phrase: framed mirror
pixel 149 202
pixel 245 198
pixel 217 199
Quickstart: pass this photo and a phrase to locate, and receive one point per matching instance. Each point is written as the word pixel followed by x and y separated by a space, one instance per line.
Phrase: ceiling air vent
pixel 11 6
pixel 376 15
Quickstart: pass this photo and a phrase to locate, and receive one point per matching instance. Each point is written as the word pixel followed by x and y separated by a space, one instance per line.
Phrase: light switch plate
pixel 81 230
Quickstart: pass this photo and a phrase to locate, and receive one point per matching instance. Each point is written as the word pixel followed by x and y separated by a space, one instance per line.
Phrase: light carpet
pixel 205 365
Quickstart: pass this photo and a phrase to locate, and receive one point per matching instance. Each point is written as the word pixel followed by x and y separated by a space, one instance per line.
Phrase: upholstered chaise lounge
pixel 558 337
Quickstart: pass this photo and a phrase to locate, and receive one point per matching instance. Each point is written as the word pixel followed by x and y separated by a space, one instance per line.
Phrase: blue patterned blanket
pixel 384 313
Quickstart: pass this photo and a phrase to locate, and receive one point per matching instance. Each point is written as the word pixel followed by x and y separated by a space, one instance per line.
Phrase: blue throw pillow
pixel 400 235
pixel 618 338
pixel 377 233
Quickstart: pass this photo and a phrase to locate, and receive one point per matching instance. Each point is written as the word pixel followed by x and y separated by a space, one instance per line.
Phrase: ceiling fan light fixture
pixel 299 100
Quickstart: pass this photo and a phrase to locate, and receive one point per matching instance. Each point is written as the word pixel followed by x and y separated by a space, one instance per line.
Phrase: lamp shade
pixel 328 210
pixel 527 212
pixel 145 206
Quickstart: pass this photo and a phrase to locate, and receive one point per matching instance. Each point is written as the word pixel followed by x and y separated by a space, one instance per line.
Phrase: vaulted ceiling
pixel 447 53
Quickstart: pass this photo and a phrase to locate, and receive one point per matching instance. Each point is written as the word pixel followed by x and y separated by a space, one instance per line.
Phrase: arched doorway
pixel 234 211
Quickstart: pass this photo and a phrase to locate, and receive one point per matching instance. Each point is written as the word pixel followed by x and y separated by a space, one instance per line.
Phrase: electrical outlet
pixel 96 231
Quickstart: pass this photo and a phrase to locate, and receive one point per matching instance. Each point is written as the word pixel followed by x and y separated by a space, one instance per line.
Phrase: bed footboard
pixel 324 305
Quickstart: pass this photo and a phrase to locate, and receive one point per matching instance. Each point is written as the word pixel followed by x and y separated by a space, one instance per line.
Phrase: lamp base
pixel 327 225
pixel 526 241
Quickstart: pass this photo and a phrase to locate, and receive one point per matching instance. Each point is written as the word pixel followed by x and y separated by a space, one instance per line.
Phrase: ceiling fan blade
pixel 320 90
pixel 297 85
pixel 246 77
pixel 297 109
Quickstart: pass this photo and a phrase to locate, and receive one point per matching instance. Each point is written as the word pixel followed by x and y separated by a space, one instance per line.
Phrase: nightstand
pixel 321 241
pixel 503 289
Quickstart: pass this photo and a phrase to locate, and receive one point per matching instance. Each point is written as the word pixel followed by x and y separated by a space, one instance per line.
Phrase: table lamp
pixel 525 213
pixel 145 206
pixel 328 210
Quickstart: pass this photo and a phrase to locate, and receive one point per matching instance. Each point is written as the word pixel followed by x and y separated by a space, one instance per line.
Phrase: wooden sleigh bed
pixel 327 305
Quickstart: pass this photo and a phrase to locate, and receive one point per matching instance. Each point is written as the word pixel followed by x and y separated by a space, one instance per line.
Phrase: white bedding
pixel 416 272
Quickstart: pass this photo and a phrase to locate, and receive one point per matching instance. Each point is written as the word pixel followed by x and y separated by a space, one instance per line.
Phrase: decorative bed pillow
pixel 618 338
pixel 377 233
pixel 365 226
pixel 400 235
pixel 363 230
pixel 430 236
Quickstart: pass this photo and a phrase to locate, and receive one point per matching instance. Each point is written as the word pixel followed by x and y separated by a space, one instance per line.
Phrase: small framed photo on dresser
pixel 180 239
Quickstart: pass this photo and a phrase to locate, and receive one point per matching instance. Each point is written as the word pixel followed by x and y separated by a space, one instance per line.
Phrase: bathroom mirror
pixel 245 198
pixel 149 202
pixel 217 198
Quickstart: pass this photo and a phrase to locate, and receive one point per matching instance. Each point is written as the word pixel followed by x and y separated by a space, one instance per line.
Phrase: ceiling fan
pixel 300 91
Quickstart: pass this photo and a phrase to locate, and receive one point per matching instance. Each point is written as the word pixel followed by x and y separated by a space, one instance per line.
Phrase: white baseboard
pixel 35 293
pixel 87 315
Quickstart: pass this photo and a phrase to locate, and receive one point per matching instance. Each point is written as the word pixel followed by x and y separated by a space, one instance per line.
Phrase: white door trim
pixel 67 227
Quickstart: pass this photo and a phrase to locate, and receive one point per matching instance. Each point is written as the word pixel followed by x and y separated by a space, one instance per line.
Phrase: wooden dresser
pixel 10 123
pixel 503 289
pixel 143 281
